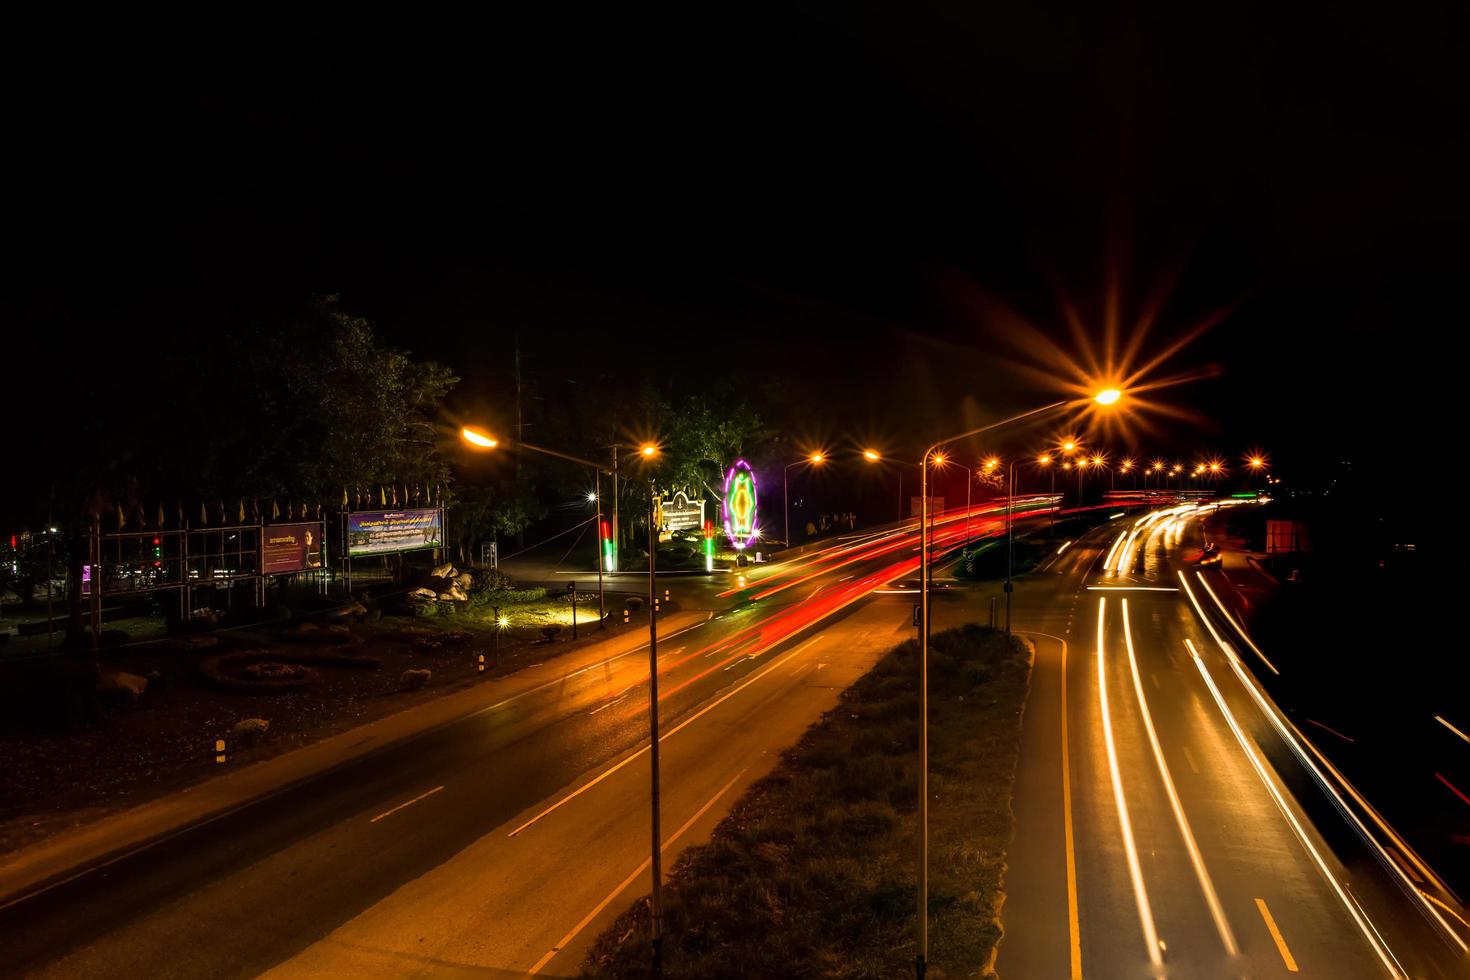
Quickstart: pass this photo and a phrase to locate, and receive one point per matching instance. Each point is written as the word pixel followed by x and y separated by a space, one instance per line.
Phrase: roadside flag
pixel 122 520
pixel 203 514
pixel 344 498
pixel 160 515
pixel 382 496
pixel 275 510
pixel 242 510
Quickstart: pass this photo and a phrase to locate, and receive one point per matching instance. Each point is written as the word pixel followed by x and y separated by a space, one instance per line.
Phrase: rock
pixel 445 570
pixel 351 609
pixel 120 681
pixel 464 580
pixel 249 728
pixel 414 678
pixel 422 593
pixel 458 594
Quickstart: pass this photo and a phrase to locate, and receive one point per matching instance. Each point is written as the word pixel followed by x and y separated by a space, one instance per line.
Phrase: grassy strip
pixel 813 872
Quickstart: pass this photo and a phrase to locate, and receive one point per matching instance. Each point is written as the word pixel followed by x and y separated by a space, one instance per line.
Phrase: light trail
pixel 1238 628
pixel 1452 728
pixel 1358 916
pixel 1295 739
pixel 1125 825
pixel 1217 912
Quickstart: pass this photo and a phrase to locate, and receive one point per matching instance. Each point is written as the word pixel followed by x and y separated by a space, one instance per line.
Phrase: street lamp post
pixel 921 961
pixel 481 440
pixel 815 459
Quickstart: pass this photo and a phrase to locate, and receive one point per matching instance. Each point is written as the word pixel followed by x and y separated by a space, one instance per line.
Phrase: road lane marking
pixel 1074 930
pixel 1295 739
pixel 1207 886
pixel 562 943
pixel 1276 935
pixel 1359 918
pixel 1125 825
pixel 1452 728
pixel 1408 868
pixel 666 735
pixel 1131 588
pixel 1189 758
pixel 421 796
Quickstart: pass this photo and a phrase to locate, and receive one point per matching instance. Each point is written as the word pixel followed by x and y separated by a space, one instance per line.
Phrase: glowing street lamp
pixel 480 439
pixel 812 459
pixel 1108 396
pixel 923 897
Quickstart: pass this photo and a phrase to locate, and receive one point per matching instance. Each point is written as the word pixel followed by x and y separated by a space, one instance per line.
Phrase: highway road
pixel 499 845
pixel 1170 820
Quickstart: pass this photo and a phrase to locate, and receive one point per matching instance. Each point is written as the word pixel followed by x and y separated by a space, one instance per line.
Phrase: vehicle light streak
pixel 1359 917
pixel 1452 728
pixel 1195 858
pixel 1295 740
pixel 1125 825
pixel 1232 622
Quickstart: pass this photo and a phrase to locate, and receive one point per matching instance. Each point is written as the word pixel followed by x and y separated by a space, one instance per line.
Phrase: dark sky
pixel 843 198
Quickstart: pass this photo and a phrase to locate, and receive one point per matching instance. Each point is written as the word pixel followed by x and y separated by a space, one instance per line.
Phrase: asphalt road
pixel 1168 818
pixel 502 844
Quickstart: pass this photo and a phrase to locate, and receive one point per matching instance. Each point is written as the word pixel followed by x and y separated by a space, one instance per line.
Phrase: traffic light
pixel 605 533
pixel 157 552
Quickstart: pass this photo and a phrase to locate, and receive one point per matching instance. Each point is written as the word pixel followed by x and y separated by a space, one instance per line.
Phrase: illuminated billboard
pixel 286 548
pixel 381 532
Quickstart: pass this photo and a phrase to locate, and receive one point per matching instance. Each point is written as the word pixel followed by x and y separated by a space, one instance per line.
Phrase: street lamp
pixel 649 451
pixel 921 960
pixel 481 439
pixel 815 459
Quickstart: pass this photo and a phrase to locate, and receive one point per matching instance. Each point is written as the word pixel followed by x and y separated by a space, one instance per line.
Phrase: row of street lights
pixel 933 457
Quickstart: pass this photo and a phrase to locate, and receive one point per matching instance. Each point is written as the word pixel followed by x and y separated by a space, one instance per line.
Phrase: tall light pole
pixel 815 459
pixel 1107 397
pixel 648 451
pixel 480 439
pixel 1044 461
pixel 921 961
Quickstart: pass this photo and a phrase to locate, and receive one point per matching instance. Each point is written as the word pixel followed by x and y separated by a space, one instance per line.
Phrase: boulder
pixel 464 580
pixel 248 729
pixel 445 570
pixel 129 685
pixel 414 678
pixel 422 593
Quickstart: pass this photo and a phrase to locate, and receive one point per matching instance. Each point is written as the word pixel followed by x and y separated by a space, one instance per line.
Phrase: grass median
pixel 812 874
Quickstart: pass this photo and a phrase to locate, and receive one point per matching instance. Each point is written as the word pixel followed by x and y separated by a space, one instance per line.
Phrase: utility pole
pixel 520 431
pixel 656 858
pixel 617 539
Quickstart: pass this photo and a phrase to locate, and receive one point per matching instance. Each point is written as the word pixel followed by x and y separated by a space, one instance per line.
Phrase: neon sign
pixel 740 505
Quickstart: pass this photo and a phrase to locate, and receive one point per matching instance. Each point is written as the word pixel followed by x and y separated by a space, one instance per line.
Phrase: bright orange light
pixel 1214 467
pixel 1067 465
pixel 1068 446
pixel 1257 462
pixel 992 462
pixel 1097 461
pixel 816 457
pixel 938 459
pixel 478 438
pixel 1044 459
pixel 649 449
pixel 1107 396
pixel 871 456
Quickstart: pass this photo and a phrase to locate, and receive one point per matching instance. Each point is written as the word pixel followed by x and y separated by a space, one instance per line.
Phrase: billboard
pixel 288 548
pixel 381 532
pixel 683 514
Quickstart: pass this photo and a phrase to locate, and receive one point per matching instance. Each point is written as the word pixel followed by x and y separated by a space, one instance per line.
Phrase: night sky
pixel 860 200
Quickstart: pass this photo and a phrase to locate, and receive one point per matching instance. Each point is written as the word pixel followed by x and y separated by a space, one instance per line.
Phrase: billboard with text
pixel 381 532
pixel 286 548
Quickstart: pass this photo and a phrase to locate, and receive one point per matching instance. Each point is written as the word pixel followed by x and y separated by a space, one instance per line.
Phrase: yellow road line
pixel 1276 935
pixel 1074 930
